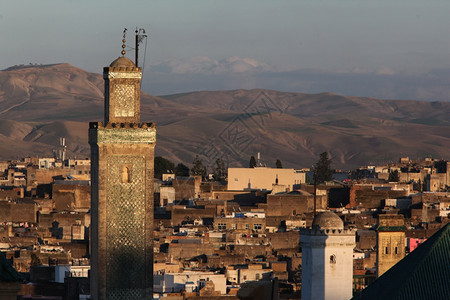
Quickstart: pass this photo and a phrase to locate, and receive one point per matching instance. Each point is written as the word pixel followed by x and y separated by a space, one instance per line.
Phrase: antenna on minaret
pixel 124 41
pixel 140 35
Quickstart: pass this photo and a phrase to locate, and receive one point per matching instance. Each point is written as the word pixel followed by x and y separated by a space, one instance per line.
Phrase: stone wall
pixel 18 212
pixel 368 198
pixel 66 196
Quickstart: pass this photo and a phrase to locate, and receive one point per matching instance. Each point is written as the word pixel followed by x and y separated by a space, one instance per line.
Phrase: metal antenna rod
pixel 140 35
pixel 137 49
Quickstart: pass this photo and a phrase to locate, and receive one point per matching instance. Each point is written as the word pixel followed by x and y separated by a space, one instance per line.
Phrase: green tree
pixel 197 167
pixel 394 176
pixel 220 172
pixel 252 162
pixel 322 169
pixel 181 170
pixel 278 164
pixel 441 166
pixel 422 186
pixel 163 166
pixel 419 185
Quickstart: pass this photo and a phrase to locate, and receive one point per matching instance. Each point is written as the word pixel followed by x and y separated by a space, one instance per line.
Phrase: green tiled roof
pixel 7 271
pixel 392 228
pixel 423 274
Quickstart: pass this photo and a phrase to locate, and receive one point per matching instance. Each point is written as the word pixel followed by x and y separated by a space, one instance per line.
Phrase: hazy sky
pixel 383 48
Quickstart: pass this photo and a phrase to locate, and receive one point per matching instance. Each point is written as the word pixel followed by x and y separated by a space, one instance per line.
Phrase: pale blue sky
pixel 395 38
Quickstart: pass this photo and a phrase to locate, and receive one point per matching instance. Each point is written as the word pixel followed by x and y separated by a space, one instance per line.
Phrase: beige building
pixel 190 281
pixel 241 222
pixel 262 178
pixel 252 272
pixel 390 241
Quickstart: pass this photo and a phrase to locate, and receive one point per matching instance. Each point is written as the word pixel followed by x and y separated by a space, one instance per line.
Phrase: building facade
pixel 390 241
pixel 263 178
pixel 122 163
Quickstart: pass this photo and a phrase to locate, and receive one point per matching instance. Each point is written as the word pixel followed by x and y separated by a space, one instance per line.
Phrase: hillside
pixel 38 104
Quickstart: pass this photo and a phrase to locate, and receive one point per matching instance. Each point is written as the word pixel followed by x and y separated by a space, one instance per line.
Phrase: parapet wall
pixel 119 133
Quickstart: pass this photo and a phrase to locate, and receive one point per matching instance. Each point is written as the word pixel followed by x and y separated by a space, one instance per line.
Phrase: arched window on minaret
pixel 126 174
pixel 332 259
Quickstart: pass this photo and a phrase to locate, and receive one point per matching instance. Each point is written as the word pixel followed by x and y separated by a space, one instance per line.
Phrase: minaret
pixel 122 160
pixel 327 259
pixel 390 241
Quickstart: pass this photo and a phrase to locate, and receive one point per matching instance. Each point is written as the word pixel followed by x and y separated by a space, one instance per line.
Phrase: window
pixel 126 174
pixel 221 226
pixel 257 226
pixel 386 250
pixel 233 226
pixel 396 250
pixel 246 226
pixel 332 259
pixel 257 276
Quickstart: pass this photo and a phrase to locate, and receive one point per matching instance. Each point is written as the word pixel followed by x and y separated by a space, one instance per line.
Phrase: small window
pixel 332 259
pixel 257 276
pixel 386 250
pixel 126 174
pixel 396 250
pixel 221 226
pixel 257 226
pixel 246 226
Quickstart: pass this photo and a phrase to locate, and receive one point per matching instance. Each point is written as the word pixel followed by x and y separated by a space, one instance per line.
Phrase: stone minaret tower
pixel 327 259
pixel 122 158
pixel 390 241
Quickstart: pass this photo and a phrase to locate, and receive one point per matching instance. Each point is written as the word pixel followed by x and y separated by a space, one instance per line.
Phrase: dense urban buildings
pixel 209 240
pixel 212 241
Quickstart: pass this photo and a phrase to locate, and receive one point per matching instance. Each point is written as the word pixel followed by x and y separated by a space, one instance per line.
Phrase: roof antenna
pixel 123 42
pixel 140 35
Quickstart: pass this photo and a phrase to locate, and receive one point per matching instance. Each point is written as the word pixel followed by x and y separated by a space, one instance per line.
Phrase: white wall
pixel 175 282
pixel 321 279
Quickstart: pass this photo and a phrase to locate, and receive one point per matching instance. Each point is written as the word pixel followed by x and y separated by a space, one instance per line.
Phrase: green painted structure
pixel 423 274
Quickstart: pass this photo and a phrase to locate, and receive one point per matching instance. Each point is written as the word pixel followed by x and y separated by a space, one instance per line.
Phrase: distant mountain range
pixel 39 104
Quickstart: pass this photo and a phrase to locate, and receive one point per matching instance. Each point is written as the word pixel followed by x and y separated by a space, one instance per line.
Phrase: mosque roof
pixel 327 220
pixel 422 274
pixel 122 62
